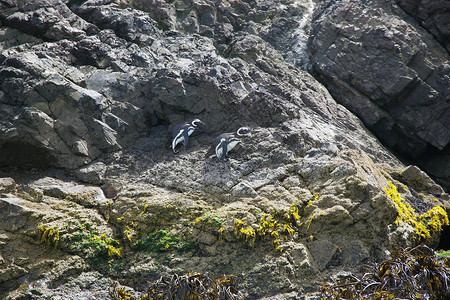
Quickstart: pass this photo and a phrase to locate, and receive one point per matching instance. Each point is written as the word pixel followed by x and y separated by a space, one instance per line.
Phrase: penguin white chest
pixel 179 137
pixel 232 144
pixel 190 130
pixel 219 148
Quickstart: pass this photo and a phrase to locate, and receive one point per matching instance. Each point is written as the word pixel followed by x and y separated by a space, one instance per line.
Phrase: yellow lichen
pixel 113 251
pixel 198 220
pixel 221 230
pixel 310 202
pixel 145 209
pixel 435 218
pixel 310 220
pixel 128 232
pixel 49 235
pixel 275 226
pixel 289 229
pixel 430 221
pixel 237 225
pixel 248 235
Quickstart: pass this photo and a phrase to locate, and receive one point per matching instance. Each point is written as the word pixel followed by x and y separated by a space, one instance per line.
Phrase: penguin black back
pixel 182 132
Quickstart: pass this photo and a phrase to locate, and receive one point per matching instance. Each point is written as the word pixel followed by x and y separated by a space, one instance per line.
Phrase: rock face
pixel 391 72
pixel 433 16
pixel 93 88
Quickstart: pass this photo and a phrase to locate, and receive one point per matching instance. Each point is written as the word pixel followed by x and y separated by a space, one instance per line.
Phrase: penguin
pixel 181 133
pixel 225 142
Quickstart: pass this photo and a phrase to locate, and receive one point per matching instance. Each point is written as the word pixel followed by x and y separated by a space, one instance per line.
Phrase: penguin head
pixel 243 131
pixel 197 122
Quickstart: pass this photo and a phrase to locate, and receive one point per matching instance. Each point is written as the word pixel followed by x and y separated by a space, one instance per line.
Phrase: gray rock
pixel 322 252
pixel 420 181
pixel 401 83
pixel 6 184
pixel 433 16
pixel 93 173
pixel 243 189
pixel 15 212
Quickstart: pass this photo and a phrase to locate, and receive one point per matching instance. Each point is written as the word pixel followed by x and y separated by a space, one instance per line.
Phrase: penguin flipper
pixel 224 151
pixel 186 138
pixel 174 149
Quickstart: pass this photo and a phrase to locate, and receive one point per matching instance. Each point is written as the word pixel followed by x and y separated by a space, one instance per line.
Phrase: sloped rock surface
pixel 390 72
pixel 433 16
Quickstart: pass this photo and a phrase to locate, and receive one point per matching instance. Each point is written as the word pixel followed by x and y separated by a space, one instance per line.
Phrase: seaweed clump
pixel 195 286
pixel 412 273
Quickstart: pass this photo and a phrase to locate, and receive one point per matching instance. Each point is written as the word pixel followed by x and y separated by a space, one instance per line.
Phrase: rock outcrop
pixel 92 193
pixel 391 72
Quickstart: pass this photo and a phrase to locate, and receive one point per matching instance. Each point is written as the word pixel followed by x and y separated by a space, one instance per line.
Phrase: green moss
pixel 443 254
pixel 89 243
pixel 424 224
pixel 162 240
pixel 209 220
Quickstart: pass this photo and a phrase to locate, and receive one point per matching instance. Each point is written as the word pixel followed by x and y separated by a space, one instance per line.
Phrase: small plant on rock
pixel 93 245
pixel 273 226
pixel 49 236
pixel 162 240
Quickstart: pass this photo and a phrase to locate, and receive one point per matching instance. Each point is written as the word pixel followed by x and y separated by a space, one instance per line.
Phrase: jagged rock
pixel 6 184
pixel 323 252
pixel 390 73
pixel 88 196
pixel 420 181
pixel 243 189
pixel 92 173
pixel 433 16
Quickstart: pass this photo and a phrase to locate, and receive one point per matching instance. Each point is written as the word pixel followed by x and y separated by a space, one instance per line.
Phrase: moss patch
pixel 95 246
pixel 162 240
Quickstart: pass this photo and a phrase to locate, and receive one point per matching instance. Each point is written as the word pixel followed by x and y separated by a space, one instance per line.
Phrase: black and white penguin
pixel 181 133
pixel 225 142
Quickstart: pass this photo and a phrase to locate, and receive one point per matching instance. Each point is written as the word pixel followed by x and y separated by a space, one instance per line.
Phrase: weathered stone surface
pixel 390 72
pixel 7 184
pixel 92 173
pixel 433 16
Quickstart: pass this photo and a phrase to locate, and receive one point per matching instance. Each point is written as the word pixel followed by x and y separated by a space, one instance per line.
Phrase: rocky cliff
pixel 91 192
